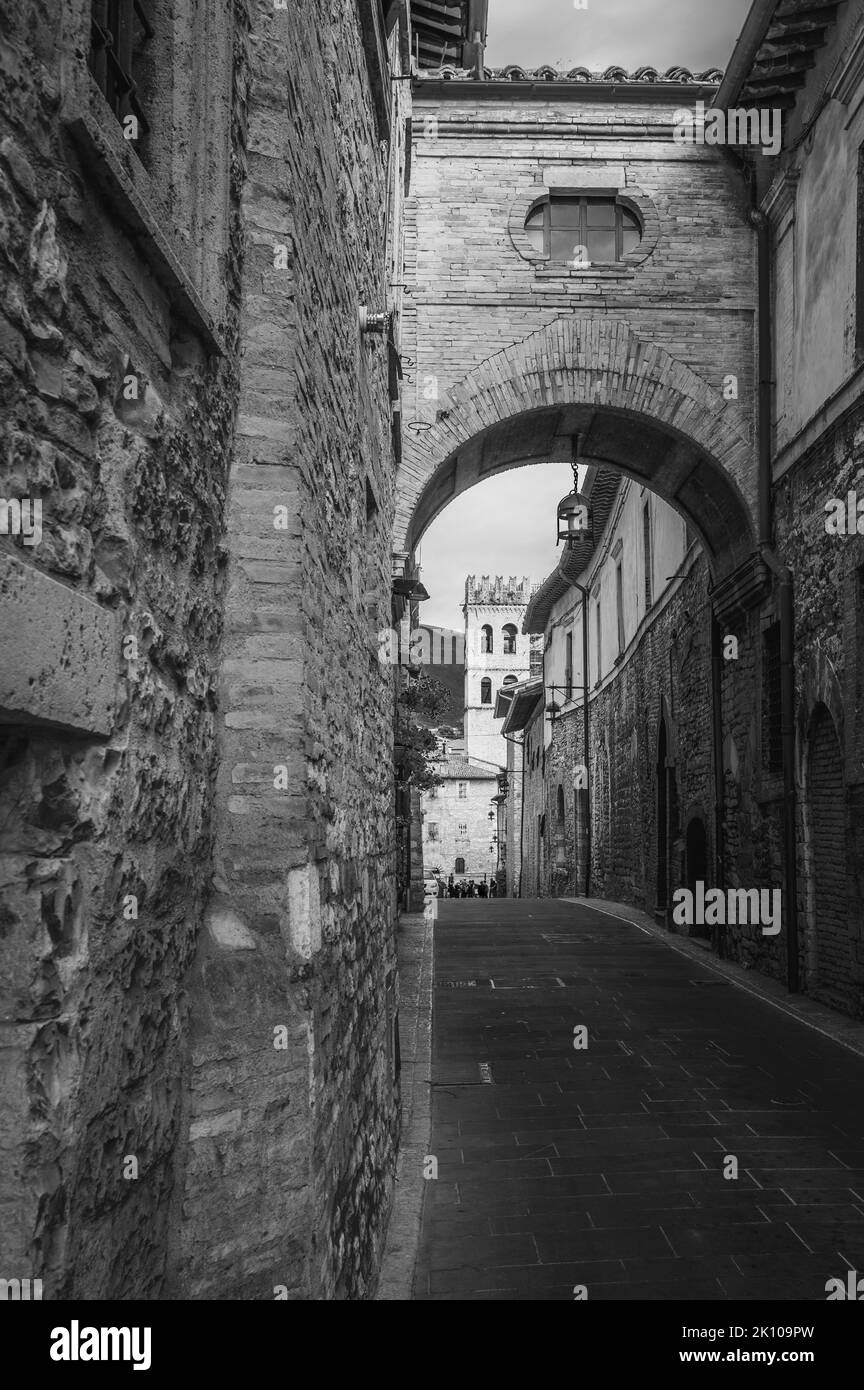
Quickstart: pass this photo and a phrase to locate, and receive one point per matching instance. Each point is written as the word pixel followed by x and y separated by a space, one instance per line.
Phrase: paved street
pixel 604 1167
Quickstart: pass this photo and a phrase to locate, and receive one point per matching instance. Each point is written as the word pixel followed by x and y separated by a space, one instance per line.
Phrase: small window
pixel 463 830
pixel 463 790
pixel 509 632
pixel 459 866
pixel 583 230
pixel 486 691
pixel 432 829
pixel 486 644
pixel 119 33
pixel 509 680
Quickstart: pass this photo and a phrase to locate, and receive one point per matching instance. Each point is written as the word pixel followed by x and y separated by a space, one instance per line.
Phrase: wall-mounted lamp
pixel 373 323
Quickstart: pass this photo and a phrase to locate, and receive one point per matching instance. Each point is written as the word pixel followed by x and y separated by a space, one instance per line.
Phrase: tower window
pixel 460 866
pixel 486 691
pixel 463 790
pixel 583 230
pixel 486 641
pixel 432 829
pixel 509 632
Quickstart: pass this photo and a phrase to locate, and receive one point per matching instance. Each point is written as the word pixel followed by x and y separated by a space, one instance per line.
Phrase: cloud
pixel 505 525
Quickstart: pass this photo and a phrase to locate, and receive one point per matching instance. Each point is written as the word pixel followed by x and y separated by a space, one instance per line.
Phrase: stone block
pixel 58 653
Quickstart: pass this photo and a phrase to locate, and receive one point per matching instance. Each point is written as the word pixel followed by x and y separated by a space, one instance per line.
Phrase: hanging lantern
pixel 575 521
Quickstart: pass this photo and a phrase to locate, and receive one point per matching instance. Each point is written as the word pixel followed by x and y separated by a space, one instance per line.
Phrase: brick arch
pixel 636 408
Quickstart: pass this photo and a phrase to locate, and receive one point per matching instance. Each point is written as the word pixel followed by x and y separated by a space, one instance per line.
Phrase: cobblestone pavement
pixel 604 1166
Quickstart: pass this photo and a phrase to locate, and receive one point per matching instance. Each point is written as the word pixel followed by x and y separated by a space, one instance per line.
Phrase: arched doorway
pixel 827 802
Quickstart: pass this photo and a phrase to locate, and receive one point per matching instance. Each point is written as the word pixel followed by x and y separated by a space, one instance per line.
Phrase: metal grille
pixel 119 31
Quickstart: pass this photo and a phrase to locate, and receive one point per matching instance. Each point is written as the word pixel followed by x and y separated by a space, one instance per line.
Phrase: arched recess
pixel 633 407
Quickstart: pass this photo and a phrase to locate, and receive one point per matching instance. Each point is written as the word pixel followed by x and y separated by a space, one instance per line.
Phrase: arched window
pixel 510 680
pixel 460 866
pixel 486 638
pixel 485 691
pixel 583 230
pixel 509 639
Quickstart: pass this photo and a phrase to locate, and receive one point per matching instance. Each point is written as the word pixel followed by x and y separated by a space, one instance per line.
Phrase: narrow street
pixel 604 1166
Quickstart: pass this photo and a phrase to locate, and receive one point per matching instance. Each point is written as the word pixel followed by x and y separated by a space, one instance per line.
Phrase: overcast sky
pixel 696 34
pixel 507 525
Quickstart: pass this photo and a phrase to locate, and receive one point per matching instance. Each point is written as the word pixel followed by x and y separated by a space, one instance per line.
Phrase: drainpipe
pixel 586 720
pixel 783 577
pixel 520 743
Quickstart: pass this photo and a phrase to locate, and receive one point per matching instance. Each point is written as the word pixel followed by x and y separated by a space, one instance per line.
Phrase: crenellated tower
pixel 496 653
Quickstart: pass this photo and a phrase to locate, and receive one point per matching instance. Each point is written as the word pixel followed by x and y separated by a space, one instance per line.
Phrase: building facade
pixel 460 821
pixel 496 654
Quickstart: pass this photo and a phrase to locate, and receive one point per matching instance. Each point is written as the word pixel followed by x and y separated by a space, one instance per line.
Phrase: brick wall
pixel 300 949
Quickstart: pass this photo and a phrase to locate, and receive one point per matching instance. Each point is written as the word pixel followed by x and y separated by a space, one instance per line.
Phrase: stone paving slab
pixel 604 1166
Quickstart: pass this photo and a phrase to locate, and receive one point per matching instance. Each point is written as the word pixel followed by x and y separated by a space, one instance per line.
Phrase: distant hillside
pixel 441 646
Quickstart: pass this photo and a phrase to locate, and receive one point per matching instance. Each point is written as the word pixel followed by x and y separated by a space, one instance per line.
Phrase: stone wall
pixel 829 670
pixel 117 350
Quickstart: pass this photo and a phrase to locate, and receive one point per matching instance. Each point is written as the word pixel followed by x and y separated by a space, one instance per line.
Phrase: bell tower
pixel 496 653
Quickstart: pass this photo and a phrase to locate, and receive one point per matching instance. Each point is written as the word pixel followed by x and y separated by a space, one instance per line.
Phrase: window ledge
pixel 597 270
pixel 127 185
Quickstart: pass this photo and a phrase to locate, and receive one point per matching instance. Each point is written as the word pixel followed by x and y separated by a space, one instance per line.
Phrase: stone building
pixel 496 654
pixel 729 751
pixel 613 288
pixel 460 821
pixel 633 819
